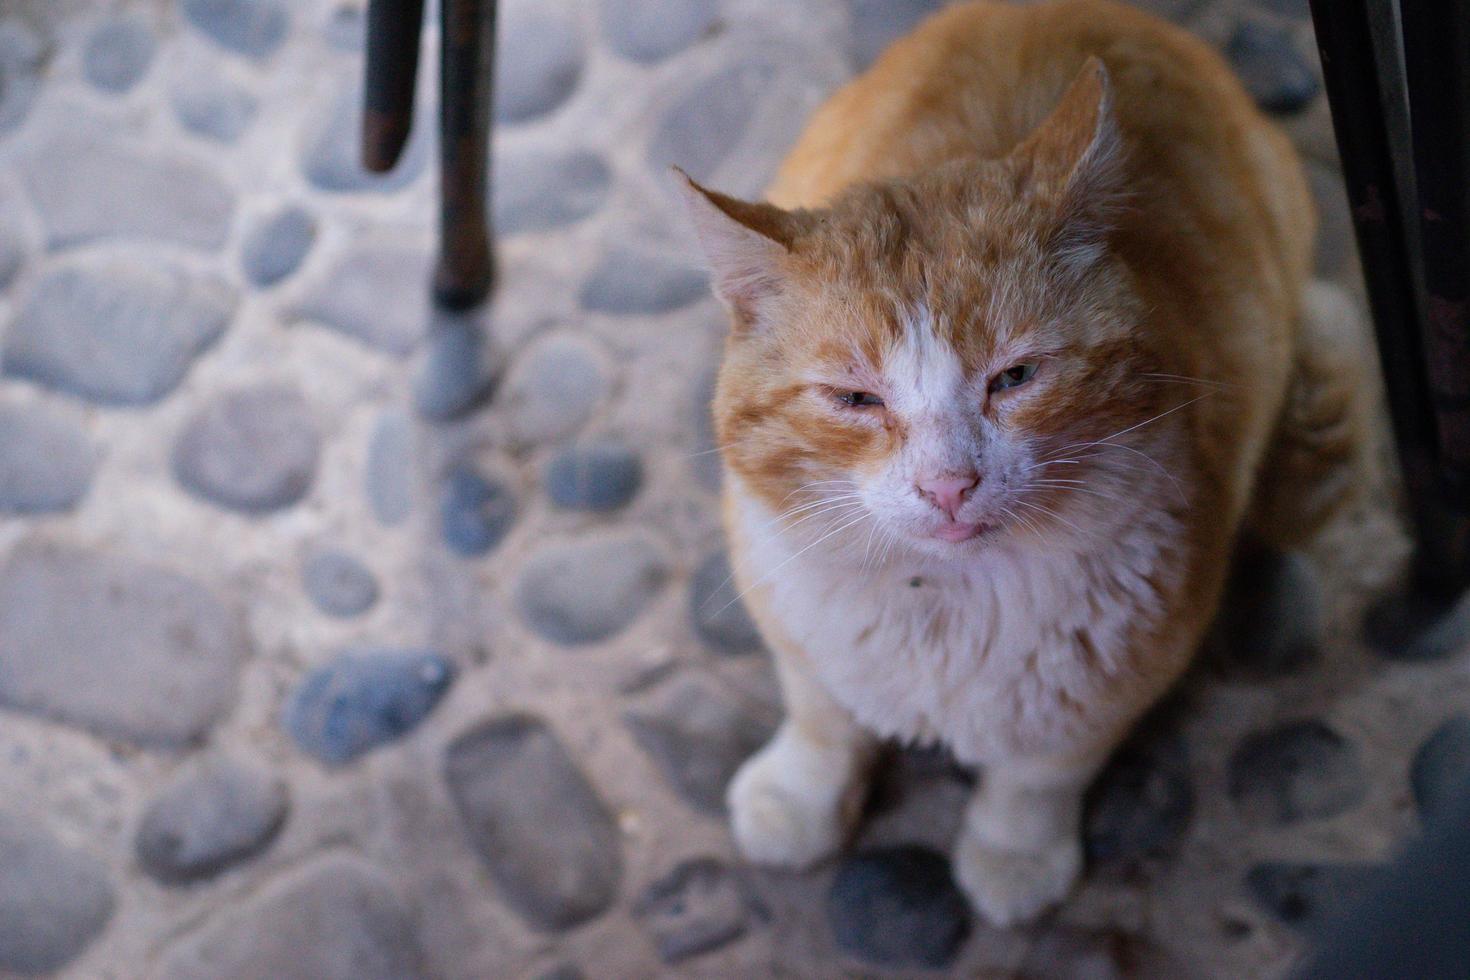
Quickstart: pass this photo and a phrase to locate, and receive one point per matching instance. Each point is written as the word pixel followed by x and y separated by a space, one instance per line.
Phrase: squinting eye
pixel 859 399
pixel 1013 377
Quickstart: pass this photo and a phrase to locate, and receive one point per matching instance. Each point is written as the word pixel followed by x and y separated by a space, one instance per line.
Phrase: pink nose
pixel 948 493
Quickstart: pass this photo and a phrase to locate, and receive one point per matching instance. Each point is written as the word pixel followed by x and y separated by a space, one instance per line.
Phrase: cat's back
pixel 976 78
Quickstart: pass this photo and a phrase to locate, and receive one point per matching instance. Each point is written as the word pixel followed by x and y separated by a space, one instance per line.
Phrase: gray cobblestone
pixel 118 53
pixel 116 331
pixel 84 638
pixel 46 461
pixel 55 899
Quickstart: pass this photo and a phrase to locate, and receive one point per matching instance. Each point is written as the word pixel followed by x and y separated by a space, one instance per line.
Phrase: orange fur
pixel 1075 188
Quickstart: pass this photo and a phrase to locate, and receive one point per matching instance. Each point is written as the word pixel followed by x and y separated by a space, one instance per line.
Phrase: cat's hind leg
pixel 1270 616
pixel 1313 466
pixel 795 801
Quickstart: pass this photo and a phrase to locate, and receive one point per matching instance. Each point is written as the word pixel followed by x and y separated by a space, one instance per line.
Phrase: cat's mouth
pixel 957 531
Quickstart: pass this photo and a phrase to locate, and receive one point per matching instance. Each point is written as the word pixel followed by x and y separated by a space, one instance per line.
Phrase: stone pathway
pixel 342 638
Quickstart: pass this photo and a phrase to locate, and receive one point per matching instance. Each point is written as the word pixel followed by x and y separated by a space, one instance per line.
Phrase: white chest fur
pixel 1022 651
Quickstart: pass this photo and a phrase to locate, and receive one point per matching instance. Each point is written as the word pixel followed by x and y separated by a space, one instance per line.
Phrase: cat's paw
pixel 1013 887
pixel 786 812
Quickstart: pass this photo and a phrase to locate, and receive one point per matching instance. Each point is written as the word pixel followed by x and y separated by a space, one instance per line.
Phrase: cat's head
pixel 914 361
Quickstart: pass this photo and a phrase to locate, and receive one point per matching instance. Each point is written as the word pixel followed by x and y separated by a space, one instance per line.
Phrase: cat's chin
pixel 956 540
pixel 959 532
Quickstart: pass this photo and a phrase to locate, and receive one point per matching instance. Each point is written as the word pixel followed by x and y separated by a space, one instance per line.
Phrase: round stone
pixel 698 738
pixel 601 476
pixel 1275 73
pixel 1440 772
pixel 1298 771
pixel 377 294
pixel 546 838
pixel 118 53
pixel 331 153
pixel 389 474
pixel 539 189
pixel 706 124
pixel 552 389
pixel 1415 627
pixel 115 332
pixel 457 372
pixel 13 250
pixel 46 461
pixel 127 650
pixel 476 513
pixel 1141 804
pixel 253 28
pixel 336 918
pixel 275 247
pixel 253 450
pixel 209 817
pixel 538 59
pixel 634 281
pixel 878 23
pixel 346 27
pixel 54 900
pixel 339 584
pixel 1310 896
pixel 897 907
pixel 698 907
pixel 22 57
pixel 720 617
pixel 213 107
pixel 88 187
pixel 1270 622
pixel 587 590
pixel 364 699
pixel 647 32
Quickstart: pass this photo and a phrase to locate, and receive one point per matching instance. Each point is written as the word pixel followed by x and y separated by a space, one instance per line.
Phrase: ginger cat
pixel 1023 345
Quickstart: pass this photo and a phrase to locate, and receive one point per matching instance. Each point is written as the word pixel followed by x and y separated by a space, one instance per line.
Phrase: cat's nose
pixel 948 492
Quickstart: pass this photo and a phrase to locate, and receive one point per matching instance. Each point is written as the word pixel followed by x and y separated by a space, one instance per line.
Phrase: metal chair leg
pixel 393 28
pixel 464 274
pixel 1420 361
pixel 1437 71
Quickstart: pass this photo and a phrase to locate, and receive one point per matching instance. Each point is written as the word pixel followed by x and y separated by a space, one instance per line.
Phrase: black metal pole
pixel 393 28
pixel 463 276
pixel 1356 49
pixel 1437 70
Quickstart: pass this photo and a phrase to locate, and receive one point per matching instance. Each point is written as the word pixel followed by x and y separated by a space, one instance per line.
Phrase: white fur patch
pixel 923 371
pixel 983 655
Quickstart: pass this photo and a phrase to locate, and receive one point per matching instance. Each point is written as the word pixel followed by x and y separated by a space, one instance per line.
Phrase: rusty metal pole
pixel 393 28
pixel 464 273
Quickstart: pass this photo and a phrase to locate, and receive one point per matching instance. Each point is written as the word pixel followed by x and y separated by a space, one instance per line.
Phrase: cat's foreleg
pixel 1019 850
pixel 795 801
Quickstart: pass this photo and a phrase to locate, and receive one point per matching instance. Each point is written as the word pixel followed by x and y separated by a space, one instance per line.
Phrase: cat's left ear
pixel 1072 162
pixel 745 245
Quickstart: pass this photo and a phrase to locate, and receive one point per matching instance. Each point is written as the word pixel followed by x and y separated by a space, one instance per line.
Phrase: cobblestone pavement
pixel 344 639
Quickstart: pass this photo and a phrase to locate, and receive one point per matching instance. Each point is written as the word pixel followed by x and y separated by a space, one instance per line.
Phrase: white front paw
pixel 789 808
pixel 1013 887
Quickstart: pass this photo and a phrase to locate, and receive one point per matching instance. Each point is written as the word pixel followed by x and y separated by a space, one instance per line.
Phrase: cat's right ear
pixel 744 244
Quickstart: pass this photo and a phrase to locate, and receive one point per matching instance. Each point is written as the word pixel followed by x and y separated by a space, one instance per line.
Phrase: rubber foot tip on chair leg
pixel 457 291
